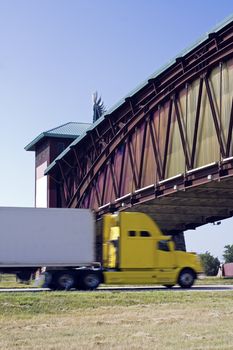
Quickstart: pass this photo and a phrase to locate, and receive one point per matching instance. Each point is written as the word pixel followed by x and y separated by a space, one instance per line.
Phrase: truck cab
pixel 135 251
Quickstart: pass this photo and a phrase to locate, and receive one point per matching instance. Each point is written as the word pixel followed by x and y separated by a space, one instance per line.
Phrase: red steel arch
pixel 165 149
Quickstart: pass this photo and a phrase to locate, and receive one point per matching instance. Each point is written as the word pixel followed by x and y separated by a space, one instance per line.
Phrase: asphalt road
pixel 197 288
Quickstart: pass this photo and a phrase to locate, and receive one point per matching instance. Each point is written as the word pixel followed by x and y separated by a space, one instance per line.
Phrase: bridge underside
pixel 190 208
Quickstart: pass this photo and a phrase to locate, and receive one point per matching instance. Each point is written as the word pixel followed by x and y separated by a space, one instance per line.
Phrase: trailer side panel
pixel 46 237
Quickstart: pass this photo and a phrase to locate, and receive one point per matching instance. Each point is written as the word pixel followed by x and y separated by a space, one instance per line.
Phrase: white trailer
pixel 51 237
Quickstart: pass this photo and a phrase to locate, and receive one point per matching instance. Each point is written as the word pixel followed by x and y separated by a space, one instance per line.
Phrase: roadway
pixel 197 288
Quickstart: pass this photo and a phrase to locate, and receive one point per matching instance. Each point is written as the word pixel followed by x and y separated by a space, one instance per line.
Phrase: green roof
pixel 69 130
pixel 142 85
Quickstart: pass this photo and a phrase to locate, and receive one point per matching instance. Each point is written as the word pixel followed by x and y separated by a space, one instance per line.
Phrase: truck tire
pixel 64 280
pixel 186 278
pixel 89 280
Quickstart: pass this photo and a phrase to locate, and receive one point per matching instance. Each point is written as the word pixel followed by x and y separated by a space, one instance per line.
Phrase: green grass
pixel 22 304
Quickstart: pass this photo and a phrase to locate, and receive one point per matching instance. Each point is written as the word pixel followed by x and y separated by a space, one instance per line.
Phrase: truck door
pixel 165 262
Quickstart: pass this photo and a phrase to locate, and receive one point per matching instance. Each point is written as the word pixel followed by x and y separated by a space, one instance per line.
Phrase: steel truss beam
pixel 95 155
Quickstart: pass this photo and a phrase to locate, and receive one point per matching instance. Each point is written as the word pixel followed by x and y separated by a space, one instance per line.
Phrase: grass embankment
pixel 10 281
pixel 116 320
pixel 214 281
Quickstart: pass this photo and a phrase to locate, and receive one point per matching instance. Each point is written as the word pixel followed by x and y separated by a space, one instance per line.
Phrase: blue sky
pixel 54 54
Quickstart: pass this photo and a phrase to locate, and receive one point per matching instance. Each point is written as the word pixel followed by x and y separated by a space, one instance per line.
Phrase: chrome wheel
pixel 186 278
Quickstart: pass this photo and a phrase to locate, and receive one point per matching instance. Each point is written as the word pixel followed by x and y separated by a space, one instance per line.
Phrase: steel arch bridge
pixel 166 149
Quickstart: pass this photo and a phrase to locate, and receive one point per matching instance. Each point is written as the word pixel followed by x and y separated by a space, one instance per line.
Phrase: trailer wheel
pixel 64 281
pixel 89 280
pixel 186 278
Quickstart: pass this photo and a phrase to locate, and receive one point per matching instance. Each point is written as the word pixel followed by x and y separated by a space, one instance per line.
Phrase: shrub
pixel 210 264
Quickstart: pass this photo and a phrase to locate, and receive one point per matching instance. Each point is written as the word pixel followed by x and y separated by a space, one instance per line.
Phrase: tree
pixel 210 264
pixel 228 253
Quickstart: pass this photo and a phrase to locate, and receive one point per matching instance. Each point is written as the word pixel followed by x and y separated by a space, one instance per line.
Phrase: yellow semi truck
pixel 135 251
pixel 62 243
